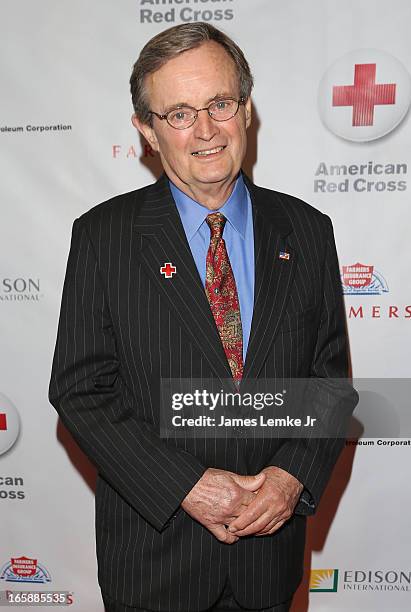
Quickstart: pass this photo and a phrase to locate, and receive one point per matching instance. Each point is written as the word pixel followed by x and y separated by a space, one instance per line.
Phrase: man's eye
pixel 179 115
pixel 223 106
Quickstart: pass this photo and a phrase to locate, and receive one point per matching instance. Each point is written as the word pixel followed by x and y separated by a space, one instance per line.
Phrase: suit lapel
pixel 275 263
pixel 162 240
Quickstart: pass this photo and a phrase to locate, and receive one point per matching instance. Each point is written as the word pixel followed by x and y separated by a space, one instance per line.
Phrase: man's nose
pixel 205 127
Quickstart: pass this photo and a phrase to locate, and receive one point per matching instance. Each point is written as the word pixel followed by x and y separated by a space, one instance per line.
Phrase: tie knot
pixel 216 222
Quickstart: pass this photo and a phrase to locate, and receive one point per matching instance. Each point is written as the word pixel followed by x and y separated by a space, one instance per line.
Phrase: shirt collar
pixel 193 214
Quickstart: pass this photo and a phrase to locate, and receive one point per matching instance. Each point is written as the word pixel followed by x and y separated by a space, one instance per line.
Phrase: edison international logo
pixel 20 289
pixel 363 580
pixel 24 569
pixel 361 279
pixel 324 580
pixel 364 95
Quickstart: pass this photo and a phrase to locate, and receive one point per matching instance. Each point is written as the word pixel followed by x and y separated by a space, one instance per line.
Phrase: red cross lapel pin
pixel 168 269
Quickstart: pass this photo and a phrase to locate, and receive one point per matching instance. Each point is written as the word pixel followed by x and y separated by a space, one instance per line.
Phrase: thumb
pixel 222 534
pixel 250 483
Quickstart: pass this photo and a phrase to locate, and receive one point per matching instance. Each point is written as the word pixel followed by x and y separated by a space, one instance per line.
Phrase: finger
pixel 246 498
pixel 231 511
pixel 250 483
pixel 236 513
pixel 272 526
pixel 218 515
pixel 276 527
pixel 256 526
pixel 253 512
pixel 222 534
pixel 268 527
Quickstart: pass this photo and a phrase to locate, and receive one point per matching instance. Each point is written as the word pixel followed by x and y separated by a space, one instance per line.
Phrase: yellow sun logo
pixel 324 580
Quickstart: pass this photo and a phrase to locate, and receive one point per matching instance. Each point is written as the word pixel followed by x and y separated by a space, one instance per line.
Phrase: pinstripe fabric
pixel 225 603
pixel 123 326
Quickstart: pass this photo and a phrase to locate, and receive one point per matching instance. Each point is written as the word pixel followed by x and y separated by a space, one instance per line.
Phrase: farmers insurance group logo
pixel 361 279
pixel 364 95
pixel 24 569
pixel 9 424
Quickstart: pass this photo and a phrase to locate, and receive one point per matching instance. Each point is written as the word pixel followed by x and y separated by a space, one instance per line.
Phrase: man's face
pixel 196 78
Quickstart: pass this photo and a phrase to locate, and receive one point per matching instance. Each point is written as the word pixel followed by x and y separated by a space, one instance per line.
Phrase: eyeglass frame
pixel 240 101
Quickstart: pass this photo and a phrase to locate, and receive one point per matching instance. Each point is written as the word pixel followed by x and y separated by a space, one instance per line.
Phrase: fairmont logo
pixel 364 95
pixel 131 151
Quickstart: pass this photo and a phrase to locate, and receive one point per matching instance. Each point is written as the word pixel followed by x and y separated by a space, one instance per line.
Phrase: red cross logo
pixel 168 269
pixel 3 421
pixel 364 94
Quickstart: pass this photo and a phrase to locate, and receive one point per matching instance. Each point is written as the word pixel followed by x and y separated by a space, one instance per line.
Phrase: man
pixel 160 285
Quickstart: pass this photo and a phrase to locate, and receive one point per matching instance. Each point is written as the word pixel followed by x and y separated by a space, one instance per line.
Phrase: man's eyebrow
pixel 218 96
pixel 174 106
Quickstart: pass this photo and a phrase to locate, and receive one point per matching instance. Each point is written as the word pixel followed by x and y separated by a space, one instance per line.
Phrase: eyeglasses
pixel 184 117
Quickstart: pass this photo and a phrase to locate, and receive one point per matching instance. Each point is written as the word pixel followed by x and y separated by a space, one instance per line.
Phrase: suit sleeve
pixel 311 460
pixel 88 392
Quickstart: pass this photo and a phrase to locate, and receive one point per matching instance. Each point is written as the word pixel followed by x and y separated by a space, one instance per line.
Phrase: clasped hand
pixel 231 506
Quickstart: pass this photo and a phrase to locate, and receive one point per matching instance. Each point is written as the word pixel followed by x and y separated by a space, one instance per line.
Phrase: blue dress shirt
pixel 239 238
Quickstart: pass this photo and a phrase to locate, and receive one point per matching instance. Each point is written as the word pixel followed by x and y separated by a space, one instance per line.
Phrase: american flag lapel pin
pixel 284 255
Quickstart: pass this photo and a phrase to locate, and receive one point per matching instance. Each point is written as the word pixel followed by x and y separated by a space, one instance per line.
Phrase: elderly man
pixel 201 275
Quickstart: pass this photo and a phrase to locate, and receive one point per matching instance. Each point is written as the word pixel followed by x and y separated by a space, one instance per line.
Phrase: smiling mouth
pixel 208 151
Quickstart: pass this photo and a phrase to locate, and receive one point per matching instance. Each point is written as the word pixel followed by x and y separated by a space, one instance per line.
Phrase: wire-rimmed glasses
pixel 184 117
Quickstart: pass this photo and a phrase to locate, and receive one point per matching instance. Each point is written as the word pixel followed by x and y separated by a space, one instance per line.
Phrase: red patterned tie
pixel 221 291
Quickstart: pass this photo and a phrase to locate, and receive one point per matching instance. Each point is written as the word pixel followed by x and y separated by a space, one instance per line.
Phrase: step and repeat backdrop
pixel 330 125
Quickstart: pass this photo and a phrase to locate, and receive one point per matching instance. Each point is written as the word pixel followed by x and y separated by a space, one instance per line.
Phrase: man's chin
pixel 218 177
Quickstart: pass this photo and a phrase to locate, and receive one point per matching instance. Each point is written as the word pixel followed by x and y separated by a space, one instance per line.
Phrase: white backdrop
pixel 66 143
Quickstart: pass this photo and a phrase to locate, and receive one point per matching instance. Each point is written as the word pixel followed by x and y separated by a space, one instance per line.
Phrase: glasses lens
pixel 181 118
pixel 223 109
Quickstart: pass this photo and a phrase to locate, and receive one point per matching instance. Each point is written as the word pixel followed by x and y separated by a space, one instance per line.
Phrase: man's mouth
pixel 208 151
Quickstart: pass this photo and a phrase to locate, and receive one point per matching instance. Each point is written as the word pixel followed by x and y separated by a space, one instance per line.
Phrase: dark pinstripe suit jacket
pixel 123 327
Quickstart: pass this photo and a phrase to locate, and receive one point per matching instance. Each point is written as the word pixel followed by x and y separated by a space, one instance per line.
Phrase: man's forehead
pixel 210 50
pixel 200 74
pixel 183 102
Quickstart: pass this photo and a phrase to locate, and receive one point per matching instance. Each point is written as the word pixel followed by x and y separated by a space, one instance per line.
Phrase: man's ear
pixel 147 132
pixel 248 113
